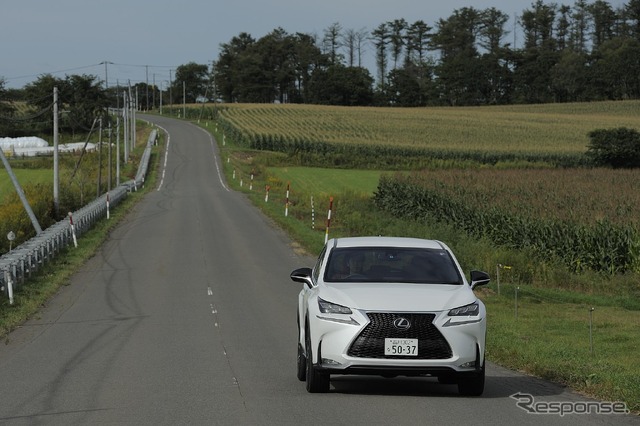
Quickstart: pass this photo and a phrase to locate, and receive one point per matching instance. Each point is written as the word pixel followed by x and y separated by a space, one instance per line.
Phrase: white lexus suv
pixel 391 307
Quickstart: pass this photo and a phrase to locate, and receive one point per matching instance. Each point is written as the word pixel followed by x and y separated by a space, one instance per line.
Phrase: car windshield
pixel 391 264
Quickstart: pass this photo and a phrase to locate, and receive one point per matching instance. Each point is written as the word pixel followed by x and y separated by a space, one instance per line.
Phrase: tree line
pixel 585 52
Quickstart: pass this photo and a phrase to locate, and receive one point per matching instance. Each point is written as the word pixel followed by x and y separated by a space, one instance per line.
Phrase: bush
pixel 617 148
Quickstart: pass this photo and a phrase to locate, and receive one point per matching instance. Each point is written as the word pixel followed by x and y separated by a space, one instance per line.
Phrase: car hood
pixel 398 297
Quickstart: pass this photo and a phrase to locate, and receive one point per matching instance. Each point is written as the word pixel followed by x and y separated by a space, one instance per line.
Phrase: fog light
pixel 471 364
pixel 327 361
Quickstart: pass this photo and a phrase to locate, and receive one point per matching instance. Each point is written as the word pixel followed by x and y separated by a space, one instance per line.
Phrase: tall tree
pixel 7 111
pixel 340 85
pixel 604 21
pixel 563 26
pixel 85 99
pixel 496 80
pixel 617 70
pixel 579 27
pixel 417 41
pixel 39 93
pixel 537 25
pixel 353 42
pixel 380 40
pixel 533 64
pixel 492 30
pixel 307 58
pixel 362 35
pixel 193 78
pixel 332 42
pixel 397 29
pixel 227 69
pixel 569 77
pixel 457 73
pixel 632 12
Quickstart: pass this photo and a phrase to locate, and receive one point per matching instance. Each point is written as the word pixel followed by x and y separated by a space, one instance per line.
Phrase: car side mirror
pixel 479 278
pixel 302 275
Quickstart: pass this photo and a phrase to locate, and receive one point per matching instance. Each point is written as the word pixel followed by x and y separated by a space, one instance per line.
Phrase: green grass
pixel 24 176
pixel 552 340
pixel 324 181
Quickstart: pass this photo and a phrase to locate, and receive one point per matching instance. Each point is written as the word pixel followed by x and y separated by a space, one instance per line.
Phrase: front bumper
pixel 335 339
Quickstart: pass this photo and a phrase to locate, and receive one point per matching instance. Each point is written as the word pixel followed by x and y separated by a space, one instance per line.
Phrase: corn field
pixel 382 137
pixel 587 219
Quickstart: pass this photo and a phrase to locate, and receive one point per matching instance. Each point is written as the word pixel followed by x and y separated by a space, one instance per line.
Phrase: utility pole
pixel 118 150
pixel 125 116
pixel 99 191
pixel 106 76
pixel 110 159
pixel 147 83
pixel 170 94
pixel 153 94
pixel 56 169
pixel 134 111
pixel 184 100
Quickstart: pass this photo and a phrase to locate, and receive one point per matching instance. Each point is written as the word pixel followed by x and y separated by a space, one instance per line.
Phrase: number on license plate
pixel 404 347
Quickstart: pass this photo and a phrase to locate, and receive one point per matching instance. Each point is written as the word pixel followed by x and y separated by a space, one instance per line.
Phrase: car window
pixel 316 269
pixel 391 264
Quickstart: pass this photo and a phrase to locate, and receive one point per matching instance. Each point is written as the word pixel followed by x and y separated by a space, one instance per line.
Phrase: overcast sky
pixel 152 37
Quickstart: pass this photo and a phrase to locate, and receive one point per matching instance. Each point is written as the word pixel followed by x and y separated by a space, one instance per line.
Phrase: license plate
pixel 404 347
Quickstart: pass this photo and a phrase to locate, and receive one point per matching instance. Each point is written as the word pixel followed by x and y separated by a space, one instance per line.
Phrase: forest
pixel 588 51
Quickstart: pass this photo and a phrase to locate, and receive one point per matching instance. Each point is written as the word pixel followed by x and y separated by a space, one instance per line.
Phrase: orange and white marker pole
pixel 286 204
pixel 108 214
pixel 266 196
pixel 326 234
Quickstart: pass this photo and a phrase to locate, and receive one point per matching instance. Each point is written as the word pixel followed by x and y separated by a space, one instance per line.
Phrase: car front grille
pixel 370 341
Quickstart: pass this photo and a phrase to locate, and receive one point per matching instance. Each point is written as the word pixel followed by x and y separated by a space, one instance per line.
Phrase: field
pixel 24 176
pixel 546 331
pixel 556 129
pixel 324 182
pixel 573 195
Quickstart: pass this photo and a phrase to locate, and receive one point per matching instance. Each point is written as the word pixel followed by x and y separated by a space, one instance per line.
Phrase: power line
pixel 52 72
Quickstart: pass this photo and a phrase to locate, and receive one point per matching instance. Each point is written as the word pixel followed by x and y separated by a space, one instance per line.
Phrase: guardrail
pixel 26 259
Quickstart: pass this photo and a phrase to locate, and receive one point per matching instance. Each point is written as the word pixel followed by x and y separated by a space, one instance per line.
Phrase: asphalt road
pixel 187 316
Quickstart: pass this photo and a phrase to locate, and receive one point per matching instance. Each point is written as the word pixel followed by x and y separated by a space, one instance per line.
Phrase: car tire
pixel 317 382
pixel 302 364
pixel 472 386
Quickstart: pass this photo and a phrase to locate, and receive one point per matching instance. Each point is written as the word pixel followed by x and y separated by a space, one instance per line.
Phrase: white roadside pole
pixel 73 230
pixel 11 236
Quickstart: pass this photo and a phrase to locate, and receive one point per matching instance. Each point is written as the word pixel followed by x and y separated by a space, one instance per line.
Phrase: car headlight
pixel 332 308
pixel 471 310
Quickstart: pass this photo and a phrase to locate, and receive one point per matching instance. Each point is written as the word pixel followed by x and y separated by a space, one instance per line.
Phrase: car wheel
pixel 472 386
pixel 302 364
pixel 317 382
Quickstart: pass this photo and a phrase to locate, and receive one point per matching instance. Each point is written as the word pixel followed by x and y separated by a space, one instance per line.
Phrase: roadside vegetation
pixel 572 320
pixel 29 298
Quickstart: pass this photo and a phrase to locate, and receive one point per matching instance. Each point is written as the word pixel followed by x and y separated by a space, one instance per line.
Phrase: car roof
pixel 386 242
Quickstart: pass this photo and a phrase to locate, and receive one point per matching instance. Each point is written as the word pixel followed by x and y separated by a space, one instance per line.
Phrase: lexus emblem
pixel 401 323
